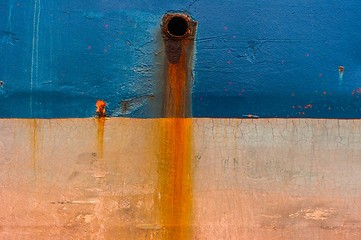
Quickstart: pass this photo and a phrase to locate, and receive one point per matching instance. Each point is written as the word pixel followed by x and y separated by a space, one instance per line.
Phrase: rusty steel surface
pixel 119 179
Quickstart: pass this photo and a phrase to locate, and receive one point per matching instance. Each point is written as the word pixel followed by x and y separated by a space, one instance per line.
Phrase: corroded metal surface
pixel 259 57
pixel 247 179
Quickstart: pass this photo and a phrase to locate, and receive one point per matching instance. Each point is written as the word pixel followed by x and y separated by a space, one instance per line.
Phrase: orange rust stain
pixel 173 198
pixel 101 113
pixel 174 193
pixel 34 141
pixel 177 93
pixel 100 136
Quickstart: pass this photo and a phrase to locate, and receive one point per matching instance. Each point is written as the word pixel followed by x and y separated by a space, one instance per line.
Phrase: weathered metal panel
pixel 271 58
pixel 179 178
pixel 228 179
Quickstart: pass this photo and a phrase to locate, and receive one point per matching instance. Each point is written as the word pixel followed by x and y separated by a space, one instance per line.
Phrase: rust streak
pixel 177 92
pixel 178 69
pixel 174 193
pixel 101 117
pixel 174 196
pixel 34 141
pixel 100 136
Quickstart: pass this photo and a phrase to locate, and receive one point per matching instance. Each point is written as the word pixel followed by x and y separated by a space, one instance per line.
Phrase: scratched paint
pixel 2 88
pixel 34 68
pixel 341 70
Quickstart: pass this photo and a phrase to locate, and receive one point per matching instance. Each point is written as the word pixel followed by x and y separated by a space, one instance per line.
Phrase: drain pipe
pixel 178 31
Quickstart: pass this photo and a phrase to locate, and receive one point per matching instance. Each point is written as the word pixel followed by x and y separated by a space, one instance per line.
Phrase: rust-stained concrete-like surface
pixel 245 179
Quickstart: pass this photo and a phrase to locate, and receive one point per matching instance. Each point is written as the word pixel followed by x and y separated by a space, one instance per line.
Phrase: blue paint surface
pixel 270 58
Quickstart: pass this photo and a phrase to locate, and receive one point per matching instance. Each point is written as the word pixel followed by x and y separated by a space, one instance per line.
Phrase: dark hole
pixel 177 26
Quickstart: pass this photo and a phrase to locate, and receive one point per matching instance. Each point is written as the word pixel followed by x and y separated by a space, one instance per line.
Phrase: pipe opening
pixel 177 26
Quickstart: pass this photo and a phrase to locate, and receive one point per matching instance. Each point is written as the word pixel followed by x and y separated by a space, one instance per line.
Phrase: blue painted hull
pixel 265 58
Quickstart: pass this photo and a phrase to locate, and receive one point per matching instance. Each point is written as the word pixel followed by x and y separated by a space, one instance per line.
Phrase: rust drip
pixel 100 136
pixel 129 105
pixel 34 143
pixel 177 94
pixel 178 35
pixel 101 113
pixel 174 193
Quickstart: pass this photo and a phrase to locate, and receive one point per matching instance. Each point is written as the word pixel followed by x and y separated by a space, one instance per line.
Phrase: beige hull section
pixel 243 179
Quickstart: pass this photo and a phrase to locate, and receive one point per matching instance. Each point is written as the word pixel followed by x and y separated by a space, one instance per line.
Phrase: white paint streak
pixel 34 71
pixel 8 25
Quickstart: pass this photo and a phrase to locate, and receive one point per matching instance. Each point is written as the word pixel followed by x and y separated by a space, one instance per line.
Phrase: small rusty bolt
pixel 341 69
pixel 100 108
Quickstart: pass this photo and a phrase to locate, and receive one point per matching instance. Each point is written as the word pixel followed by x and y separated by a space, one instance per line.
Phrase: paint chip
pixel 149 226
pixel 317 214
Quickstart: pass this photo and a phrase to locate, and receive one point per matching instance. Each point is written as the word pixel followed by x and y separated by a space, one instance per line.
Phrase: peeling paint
pixel 8 38
pixel 3 91
pixel 341 70
pixel 127 106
